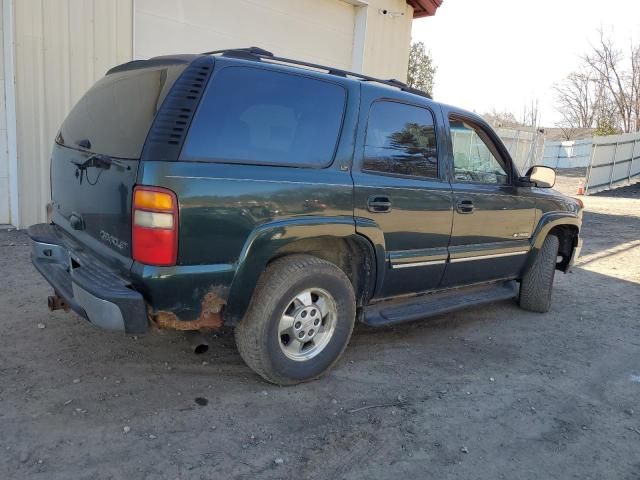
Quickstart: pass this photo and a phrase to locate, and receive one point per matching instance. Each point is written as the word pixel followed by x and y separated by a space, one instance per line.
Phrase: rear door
pixel 493 218
pixel 401 189
pixel 96 154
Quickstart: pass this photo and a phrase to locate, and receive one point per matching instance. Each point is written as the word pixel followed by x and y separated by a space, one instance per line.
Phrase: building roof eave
pixel 424 8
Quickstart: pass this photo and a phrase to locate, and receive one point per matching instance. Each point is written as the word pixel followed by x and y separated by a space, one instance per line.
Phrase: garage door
pixel 319 31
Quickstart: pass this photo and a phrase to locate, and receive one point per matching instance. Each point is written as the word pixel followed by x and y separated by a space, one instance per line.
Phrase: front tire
pixel 299 322
pixel 537 283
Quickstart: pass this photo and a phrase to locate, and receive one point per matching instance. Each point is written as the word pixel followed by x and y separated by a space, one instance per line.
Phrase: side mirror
pixel 543 177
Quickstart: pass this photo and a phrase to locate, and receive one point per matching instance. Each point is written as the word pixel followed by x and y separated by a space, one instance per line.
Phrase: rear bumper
pixel 91 289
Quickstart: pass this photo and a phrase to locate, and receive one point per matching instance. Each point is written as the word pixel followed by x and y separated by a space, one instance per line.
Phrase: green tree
pixel 421 71
pixel 605 127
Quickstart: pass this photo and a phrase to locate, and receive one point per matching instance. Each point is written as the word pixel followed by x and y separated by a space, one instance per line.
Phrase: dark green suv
pixel 287 199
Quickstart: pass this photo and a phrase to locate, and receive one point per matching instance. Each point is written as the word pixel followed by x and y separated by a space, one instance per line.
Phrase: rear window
pixel 114 116
pixel 255 116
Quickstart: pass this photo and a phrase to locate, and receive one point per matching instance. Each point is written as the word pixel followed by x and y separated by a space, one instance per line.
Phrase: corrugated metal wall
pixel 61 48
pixel 319 31
pixel 388 39
pixel 4 158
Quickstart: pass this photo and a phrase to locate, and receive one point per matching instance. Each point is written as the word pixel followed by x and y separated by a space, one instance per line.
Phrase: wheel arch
pixel 568 237
pixel 332 239
pixel 564 226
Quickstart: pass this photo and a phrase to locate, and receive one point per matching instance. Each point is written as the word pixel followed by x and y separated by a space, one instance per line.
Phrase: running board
pixel 430 304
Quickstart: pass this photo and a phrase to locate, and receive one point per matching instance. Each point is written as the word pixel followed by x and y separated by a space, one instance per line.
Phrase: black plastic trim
pixel 171 124
pixel 92 276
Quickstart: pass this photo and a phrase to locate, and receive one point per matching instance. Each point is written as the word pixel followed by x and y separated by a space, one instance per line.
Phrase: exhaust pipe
pixel 56 302
pixel 197 342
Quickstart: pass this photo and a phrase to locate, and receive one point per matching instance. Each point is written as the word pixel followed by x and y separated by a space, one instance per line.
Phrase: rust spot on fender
pixel 210 316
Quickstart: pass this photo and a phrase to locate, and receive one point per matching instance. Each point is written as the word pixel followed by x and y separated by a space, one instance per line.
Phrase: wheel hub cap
pixel 307 324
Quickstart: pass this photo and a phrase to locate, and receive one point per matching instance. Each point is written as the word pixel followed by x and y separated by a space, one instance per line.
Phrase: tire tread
pixel 537 283
pixel 250 332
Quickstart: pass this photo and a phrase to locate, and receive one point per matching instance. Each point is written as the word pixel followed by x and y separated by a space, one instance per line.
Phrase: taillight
pixel 155 226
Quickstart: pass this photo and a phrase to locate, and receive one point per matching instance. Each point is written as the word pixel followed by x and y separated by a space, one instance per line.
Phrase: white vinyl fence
pixel 569 154
pixel 525 146
pixel 614 159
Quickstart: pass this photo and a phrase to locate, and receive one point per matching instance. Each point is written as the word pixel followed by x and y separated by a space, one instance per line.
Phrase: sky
pixel 503 53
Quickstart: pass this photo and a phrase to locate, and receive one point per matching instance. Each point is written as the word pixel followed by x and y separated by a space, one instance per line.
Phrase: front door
pixel 401 190
pixel 493 219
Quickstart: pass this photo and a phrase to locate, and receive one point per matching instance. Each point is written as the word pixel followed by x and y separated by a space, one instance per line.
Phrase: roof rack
pixel 259 54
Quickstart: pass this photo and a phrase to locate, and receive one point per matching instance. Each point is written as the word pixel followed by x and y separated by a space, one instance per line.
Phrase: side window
pixel 251 115
pixel 473 160
pixel 401 139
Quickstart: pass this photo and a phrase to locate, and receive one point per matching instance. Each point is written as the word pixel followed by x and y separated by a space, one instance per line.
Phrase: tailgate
pixel 93 204
pixel 95 160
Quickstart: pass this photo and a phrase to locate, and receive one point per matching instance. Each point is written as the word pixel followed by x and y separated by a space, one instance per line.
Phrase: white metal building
pixel 53 50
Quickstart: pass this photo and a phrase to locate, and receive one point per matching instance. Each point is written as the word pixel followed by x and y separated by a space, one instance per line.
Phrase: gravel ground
pixel 485 393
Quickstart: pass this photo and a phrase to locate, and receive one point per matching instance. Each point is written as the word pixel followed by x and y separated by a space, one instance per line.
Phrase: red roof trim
pixel 424 8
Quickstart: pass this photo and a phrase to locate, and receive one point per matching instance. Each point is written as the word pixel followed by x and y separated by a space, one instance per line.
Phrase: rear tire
pixel 537 283
pixel 299 321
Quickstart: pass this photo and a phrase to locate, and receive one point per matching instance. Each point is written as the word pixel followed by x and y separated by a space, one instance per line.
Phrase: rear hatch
pixel 97 153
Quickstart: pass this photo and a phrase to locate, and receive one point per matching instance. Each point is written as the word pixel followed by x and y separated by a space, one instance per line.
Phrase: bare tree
pixel 620 82
pixel 531 114
pixel 568 132
pixel 576 99
pixel 584 102
pixel 604 93
pixel 635 83
pixel 606 118
pixel 502 119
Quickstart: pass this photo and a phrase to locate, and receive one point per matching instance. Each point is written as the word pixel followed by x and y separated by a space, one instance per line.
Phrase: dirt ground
pixel 485 393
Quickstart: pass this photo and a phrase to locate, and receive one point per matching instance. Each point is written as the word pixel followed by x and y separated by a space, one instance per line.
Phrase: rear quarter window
pixel 255 116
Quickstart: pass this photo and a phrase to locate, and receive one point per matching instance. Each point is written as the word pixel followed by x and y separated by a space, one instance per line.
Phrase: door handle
pixel 379 204
pixel 465 206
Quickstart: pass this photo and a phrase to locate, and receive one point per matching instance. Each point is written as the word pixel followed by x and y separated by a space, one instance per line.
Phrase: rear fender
pixel 276 239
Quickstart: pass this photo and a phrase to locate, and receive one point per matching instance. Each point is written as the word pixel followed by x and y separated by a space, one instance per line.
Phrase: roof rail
pixel 259 54
pixel 255 51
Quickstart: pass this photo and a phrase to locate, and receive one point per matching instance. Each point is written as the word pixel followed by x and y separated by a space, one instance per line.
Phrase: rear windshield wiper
pixel 97 161
pixel 100 161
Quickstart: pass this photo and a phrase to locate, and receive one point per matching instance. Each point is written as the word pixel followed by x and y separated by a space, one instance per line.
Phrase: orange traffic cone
pixel 580 188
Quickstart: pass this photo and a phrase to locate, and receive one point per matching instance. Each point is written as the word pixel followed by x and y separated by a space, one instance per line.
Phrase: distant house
pixel 54 50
